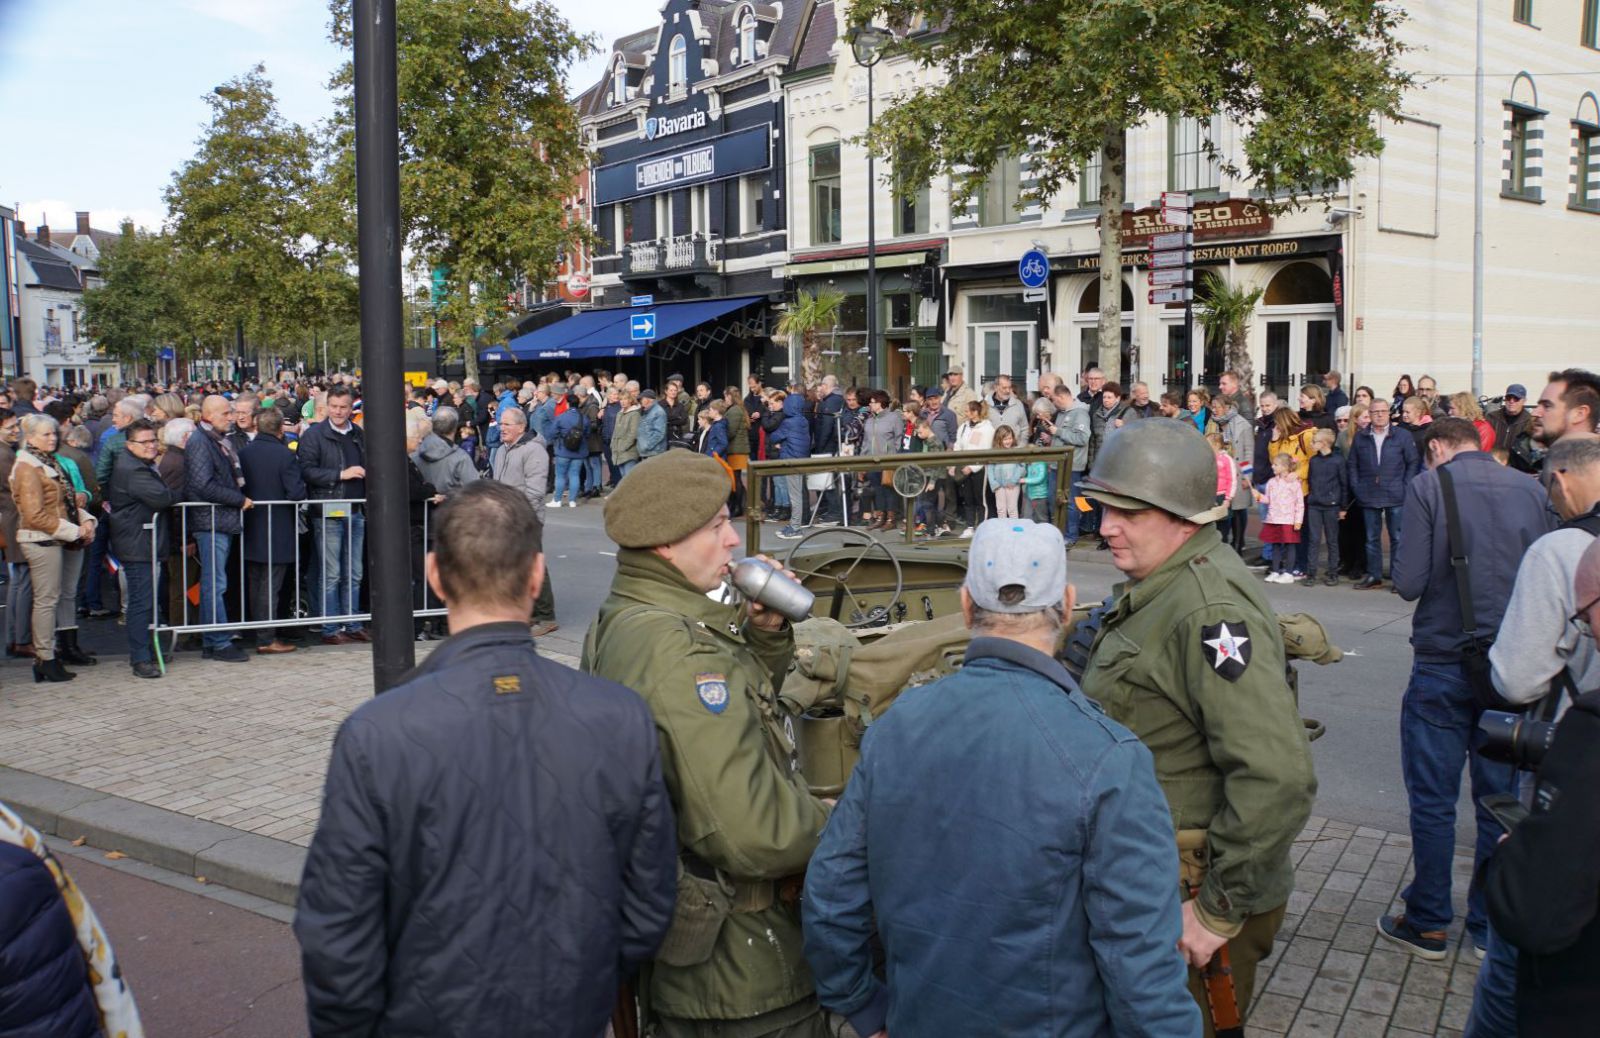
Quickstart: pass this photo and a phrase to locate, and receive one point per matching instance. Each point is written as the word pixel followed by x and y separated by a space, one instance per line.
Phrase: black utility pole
pixel 382 336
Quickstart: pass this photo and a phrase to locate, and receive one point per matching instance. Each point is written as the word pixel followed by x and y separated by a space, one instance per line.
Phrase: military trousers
pixel 804 1019
pixel 1245 951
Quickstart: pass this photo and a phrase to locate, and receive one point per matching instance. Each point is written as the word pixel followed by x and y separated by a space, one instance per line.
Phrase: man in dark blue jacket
pixel 496 846
pixel 1383 459
pixel 793 440
pixel 137 496
pixel 212 476
pixel 271 473
pixel 1040 899
pixel 333 459
pixel 1502 512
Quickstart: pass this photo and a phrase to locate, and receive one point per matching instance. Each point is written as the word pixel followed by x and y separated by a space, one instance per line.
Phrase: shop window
pixel 826 198
pixel 1000 197
pixel 1000 308
pixel 1522 11
pixel 1191 164
pixel 1177 356
pixel 911 211
pixel 678 66
pixel 754 189
pixel 901 312
pixel 1277 373
pixel 1299 284
pixel 1089 183
pixel 1319 349
pixel 1522 153
pixel 1089 349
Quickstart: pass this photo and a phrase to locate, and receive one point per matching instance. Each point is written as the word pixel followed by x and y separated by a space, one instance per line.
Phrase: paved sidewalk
pixel 217 771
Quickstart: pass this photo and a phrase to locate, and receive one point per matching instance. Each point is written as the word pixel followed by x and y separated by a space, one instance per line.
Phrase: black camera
pixel 1514 739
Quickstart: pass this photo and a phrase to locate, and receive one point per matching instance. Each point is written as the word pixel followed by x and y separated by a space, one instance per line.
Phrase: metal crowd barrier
pixel 303 579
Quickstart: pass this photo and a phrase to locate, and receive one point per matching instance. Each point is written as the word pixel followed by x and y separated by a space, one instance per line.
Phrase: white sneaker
pixel 966 534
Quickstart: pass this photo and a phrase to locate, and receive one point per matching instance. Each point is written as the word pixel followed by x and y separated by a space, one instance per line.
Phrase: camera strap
pixel 1458 553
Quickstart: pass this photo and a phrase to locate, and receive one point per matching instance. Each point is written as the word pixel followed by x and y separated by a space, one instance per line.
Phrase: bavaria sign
pixel 656 128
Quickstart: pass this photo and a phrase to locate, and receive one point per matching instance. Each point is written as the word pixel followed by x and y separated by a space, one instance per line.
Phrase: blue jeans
pixel 569 471
pixel 1438 734
pixel 1266 549
pixel 343 546
pixel 1494 998
pixel 623 469
pixel 1074 517
pixel 95 567
pixel 592 472
pixel 780 494
pixel 1375 518
pixel 212 550
pixel 140 608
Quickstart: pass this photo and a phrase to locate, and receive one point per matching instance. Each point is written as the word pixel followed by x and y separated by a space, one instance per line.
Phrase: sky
pixel 102 100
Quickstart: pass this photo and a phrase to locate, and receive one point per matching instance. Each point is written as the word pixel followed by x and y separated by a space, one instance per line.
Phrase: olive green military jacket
pixel 728 757
pixel 1191 661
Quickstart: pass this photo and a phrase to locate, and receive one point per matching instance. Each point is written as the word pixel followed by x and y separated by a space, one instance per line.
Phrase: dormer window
pixel 678 64
pixel 747 37
pixel 619 84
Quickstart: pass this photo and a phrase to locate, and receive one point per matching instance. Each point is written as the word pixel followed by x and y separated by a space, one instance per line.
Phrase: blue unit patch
pixel 713 691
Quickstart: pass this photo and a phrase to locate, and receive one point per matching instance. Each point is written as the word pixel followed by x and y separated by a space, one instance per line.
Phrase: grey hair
pixel 1573 453
pixel 1043 406
pixel 417 424
pixel 177 431
pixel 79 437
pixel 515 414
pixel 633 386
pixel 446 420
pixel 131 407
pixel 38 422
pixel 1048 621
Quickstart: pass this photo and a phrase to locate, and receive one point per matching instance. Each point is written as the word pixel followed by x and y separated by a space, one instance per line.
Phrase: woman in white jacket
pixel 975 434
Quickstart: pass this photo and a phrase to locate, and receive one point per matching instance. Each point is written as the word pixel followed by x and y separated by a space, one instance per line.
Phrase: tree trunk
pixel 1113 159
pixel 1238 349
pixel 810 357
pixel 470 358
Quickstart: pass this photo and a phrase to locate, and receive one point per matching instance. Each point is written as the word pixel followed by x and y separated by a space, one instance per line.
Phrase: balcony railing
pixel 681 254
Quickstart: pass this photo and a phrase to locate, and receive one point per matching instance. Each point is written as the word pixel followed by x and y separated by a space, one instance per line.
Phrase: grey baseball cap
pixel 1007 552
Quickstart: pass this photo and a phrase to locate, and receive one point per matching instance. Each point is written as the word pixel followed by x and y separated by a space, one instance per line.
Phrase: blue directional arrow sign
pixel 1033 269
pixel 642 327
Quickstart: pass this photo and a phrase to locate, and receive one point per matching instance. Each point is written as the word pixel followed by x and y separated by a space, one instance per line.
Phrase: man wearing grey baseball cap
pixel 997 827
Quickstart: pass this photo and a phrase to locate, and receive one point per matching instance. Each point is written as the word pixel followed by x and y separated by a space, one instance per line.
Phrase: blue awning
pixel 606 333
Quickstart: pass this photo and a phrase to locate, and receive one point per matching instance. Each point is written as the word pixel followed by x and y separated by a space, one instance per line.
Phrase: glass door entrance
pixel 1010 349
pixel 1299 350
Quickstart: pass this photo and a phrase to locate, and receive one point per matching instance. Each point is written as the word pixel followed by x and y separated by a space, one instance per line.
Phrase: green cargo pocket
pixel 703 906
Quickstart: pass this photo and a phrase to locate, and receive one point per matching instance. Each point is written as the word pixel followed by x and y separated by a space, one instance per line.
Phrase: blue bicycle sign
pixel 1033 269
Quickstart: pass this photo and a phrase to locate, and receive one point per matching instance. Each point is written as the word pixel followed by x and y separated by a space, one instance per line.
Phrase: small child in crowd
pixel 1227 477
pixel 1006 479
pixel 1286 511
pixel 1326 504
pixel 1037 481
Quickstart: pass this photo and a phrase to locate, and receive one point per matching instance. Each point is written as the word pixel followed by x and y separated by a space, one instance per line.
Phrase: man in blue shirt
pixel 1008 841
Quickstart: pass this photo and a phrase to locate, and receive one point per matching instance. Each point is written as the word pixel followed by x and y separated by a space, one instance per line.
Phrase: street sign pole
pixel 382 334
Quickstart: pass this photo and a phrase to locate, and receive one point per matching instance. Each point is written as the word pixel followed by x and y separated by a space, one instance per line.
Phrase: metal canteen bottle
pixel 760 582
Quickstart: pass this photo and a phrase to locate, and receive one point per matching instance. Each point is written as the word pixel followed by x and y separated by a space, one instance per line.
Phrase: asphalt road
pixel 1358 761
pixel 202 962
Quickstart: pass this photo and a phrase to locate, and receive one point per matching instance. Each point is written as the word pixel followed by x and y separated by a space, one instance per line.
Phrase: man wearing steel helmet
pixel 747 822
pixel 1190 659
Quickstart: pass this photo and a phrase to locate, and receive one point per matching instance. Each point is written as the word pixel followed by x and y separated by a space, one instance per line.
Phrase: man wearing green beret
pixel 733 964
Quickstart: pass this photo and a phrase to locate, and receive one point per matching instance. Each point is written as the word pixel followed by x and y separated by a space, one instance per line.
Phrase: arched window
pixel 1299 284
pixel 747 37
pixel 1089 302
pixel 678 63
pixel 619 84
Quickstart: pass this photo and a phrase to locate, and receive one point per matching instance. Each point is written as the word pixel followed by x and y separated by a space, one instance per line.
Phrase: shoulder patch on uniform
pixel 1227 648
pixel 507 685
pixel 713 691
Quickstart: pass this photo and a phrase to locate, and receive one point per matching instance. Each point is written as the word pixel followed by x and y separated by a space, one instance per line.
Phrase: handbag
pixel 1475 655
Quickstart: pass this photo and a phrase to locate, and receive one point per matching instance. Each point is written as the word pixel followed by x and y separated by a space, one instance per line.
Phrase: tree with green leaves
pixel 489 148
pixel 807 317
pixel 139 306
pixel 255 238
pixel 1225 311
pixel 1063 81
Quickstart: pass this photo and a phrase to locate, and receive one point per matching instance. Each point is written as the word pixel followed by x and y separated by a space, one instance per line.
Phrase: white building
pixel 1376 286
pixel 55 345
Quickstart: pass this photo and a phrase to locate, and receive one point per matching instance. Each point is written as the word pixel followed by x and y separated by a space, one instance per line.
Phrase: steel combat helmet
pixel 1157 463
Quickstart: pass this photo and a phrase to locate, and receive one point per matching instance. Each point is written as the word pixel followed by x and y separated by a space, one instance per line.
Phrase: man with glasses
pixel 1382 461
pixel 137 493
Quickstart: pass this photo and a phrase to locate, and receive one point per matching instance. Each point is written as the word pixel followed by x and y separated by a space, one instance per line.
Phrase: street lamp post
pixel 867 42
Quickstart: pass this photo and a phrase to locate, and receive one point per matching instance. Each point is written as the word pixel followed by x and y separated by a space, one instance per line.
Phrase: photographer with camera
pixel 1542 656
pixel 1542 887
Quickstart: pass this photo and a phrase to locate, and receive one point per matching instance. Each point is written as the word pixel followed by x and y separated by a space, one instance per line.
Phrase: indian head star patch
pixel 713 691
pixel 1227 646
